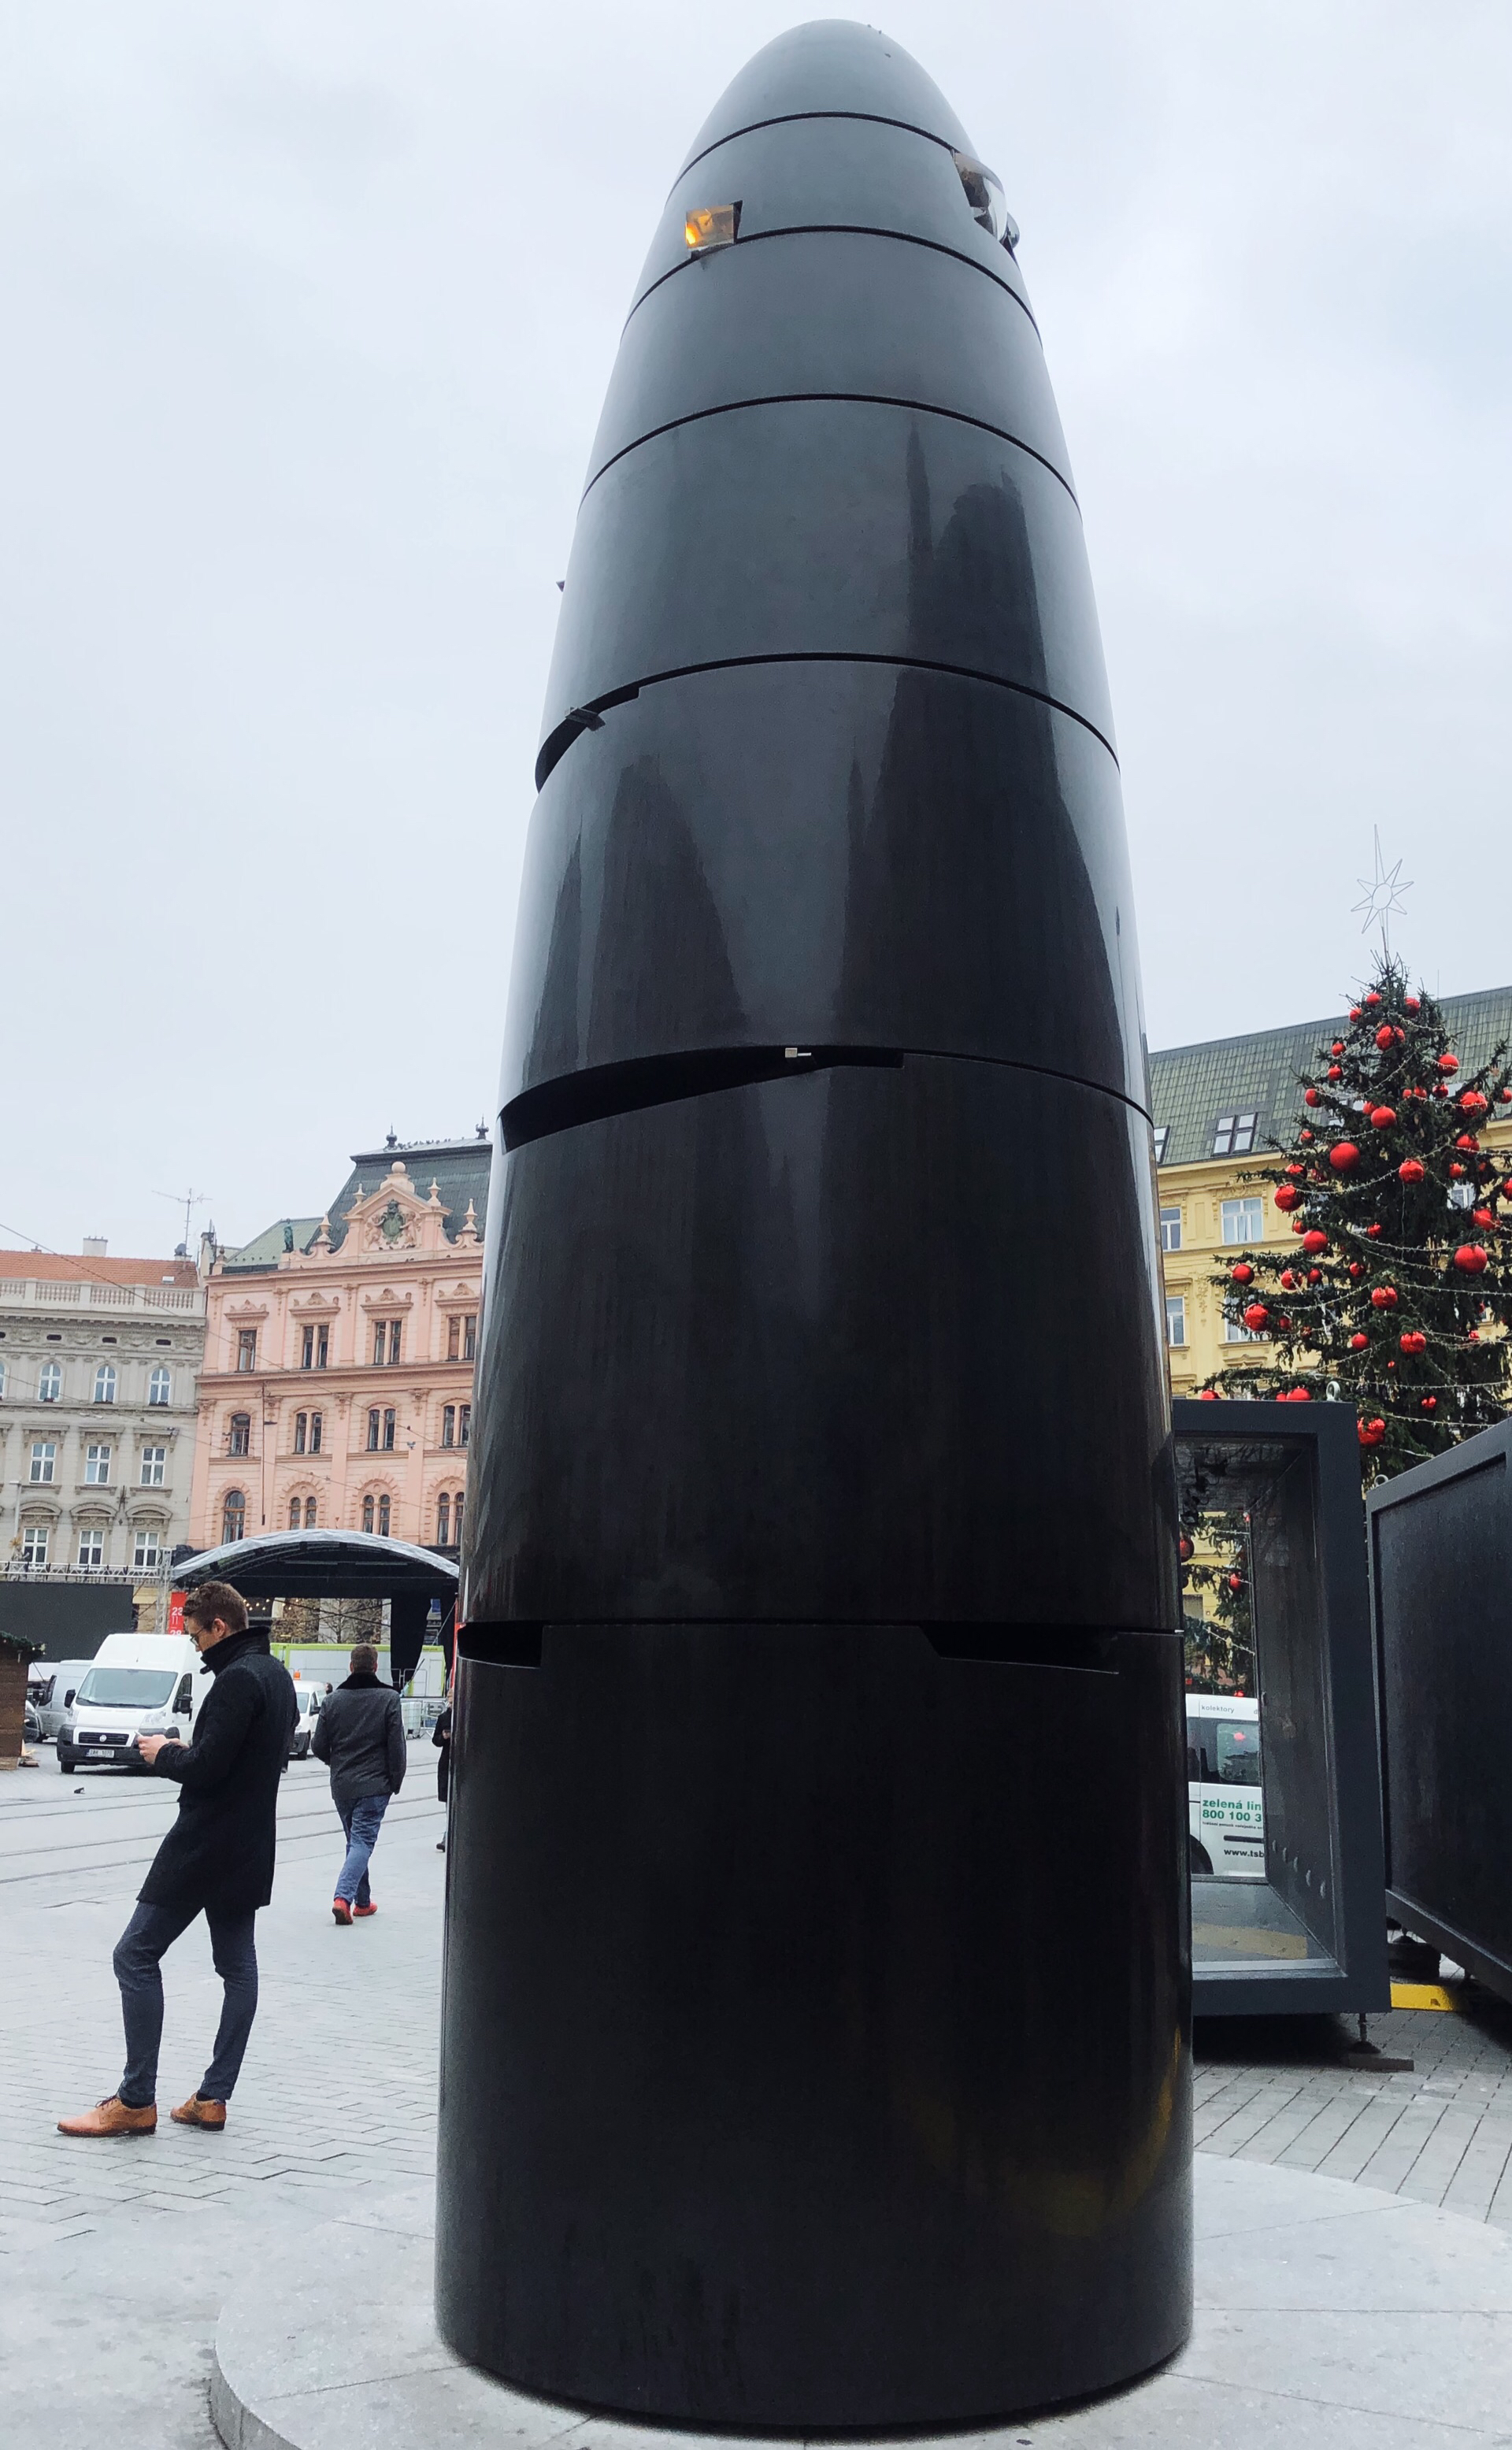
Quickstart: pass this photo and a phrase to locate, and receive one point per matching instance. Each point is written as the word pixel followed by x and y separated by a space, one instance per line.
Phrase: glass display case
pixel 1287 1904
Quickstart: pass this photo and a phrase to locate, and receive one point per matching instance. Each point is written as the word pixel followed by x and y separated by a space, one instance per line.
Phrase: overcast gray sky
pixel 309 307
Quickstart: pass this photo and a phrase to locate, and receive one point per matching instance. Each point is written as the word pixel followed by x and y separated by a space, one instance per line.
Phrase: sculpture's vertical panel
pixel 806 2061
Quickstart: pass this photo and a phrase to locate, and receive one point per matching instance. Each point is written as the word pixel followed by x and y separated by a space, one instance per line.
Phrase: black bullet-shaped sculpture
pixel 815 2028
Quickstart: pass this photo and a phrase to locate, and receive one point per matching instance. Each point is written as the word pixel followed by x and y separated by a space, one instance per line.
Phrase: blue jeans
pixel 360 1822
pixel 140 1950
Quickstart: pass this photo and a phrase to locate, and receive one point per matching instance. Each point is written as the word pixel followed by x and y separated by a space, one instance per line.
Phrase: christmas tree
pixel 1398 1294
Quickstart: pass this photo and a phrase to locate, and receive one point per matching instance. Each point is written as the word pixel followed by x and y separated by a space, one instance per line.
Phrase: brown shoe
pixel 112 2117
pixel 196 2111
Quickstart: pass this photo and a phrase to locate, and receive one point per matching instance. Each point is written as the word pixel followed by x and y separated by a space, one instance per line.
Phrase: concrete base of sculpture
pixel 1325 2311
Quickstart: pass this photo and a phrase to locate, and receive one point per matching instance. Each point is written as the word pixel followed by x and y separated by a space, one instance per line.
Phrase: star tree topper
pixel 1382 894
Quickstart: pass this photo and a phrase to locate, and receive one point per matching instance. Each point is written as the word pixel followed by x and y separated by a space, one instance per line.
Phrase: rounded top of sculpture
pixel 832 66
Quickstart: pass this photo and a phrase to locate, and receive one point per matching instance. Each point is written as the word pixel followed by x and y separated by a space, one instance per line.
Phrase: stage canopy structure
pixel 337 1565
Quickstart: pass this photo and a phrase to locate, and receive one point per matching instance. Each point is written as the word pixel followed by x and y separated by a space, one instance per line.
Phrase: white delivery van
pixel 1226 1821
pixel 51 1685
pixel 136 1685
pixel 308 1698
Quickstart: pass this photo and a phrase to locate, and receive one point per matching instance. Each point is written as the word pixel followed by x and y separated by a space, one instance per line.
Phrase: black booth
pixel 1308 1933
pixel 340 1565
pixel 1440 1578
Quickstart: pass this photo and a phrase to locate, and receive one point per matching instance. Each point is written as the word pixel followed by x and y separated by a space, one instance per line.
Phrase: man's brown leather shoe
pixel 195 2112
pixel 112 2117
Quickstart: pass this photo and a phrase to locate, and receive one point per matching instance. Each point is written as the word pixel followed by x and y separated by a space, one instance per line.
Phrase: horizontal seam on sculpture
pixel 852 399
pixel 840 229
pixel 843 655
pixel 885 1623
pixel 856 1052
pixel 786 118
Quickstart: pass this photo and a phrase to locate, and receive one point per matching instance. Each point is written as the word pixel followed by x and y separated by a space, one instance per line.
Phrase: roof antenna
pixel 192 1200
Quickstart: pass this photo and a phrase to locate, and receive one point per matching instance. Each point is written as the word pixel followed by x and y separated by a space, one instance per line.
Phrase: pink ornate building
pixel 337 1381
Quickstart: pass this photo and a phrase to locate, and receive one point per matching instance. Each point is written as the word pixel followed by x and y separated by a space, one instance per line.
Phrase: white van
pixel 308 1698
pixel 1226 1801
pixel 136 1685
pixel 51 1685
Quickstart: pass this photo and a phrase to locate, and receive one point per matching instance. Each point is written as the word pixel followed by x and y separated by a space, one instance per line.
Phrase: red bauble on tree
pixel 1471 1258
pixel 1312 1096
pixel 1411 1170
pixel 1358 1342
pixel 1383 1117
pixel 1343 1157
pixel 1413 1340
pixel 1242 1273
pixel 1255 1316
pixel 1288 1197
pixel 1447 1064
pixel 1314 1240
pixel 1383 1297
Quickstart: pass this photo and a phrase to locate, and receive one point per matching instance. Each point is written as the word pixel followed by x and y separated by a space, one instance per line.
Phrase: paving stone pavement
pixel 117 2257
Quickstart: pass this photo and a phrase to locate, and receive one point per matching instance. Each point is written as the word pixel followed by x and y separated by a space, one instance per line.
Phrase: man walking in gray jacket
pixel 360 1733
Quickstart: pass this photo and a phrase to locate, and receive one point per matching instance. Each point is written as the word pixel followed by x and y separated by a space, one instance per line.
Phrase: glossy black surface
pixel 804 2065
pixel 844 527
pixel 1440 1561
pixel 805 2061
pixel 880 321
pixel 774 1352
pixel 832 64
pixel 834 174
pixel 848 853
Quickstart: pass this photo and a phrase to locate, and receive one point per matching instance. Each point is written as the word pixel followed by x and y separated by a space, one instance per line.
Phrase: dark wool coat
pixel 220 1849
pixel 360 1734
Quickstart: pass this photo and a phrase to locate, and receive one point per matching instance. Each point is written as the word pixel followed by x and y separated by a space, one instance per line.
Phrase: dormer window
pixel 1233 1135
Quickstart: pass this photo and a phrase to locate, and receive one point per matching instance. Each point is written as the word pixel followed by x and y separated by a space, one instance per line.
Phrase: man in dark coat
pixel 217 1860
pixel 360 1733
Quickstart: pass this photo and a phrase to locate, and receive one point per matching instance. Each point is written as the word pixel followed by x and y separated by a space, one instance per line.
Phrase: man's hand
pixel 149 1746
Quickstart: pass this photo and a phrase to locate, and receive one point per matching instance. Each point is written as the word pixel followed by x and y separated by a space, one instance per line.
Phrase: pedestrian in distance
pixel 217 1860
pixel 359 1734
pixel 441 1738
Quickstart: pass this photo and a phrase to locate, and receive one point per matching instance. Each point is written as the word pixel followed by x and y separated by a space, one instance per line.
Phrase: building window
pixel 1162 1137
pixel 367 1515
pixel 246 1348
pixel 1171 1229
pixel 464 1424
pixel 146 1552
pixel 294 1514
pixel 383 1518
pixel 302 1430
pixel 454 1338
pixel 388 1431
pixel 372 1432
pixel 49 1382
pixel 233 1515
pixel 470 1336
pixel 241 1435
pixel 43 1460
pixel 315 1421
pixel 34 1544
pixel 154 1464
pixel 1176 1318
pixel 96 1467
pixel 449 1425
pixel 1233 1135
pixel 456 1520
pixel 1235 1331
pixel 2 1378
pixel 314 1352
pixel 1242 1220
pixel 309 1514
pixel 444 1521
pixel 104 1383
pixel 396 1333
pixel 92 1545
pixel 387 1336
pixel 160 1386
pixel 1462 1194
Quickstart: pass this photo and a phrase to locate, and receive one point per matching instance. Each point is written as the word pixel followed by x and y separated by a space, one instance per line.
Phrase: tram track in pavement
pixel 329 1827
